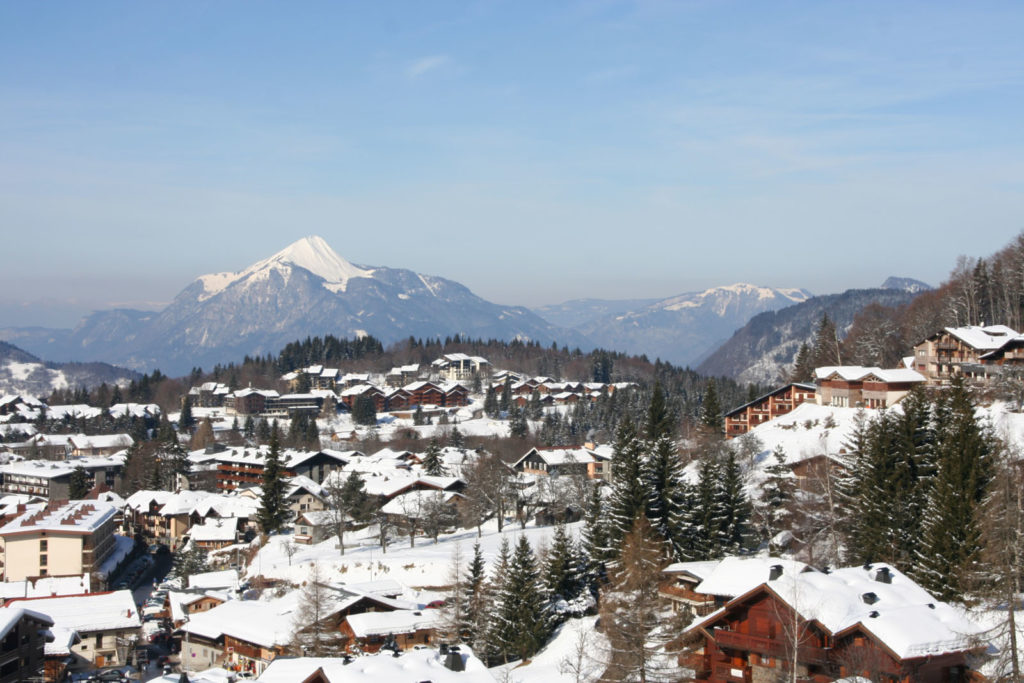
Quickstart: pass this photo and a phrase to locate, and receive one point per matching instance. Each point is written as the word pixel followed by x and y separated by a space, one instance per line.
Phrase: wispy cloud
pixel 425 65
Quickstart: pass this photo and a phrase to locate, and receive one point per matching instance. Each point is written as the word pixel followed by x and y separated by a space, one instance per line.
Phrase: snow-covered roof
pixel 45 587
pixel 412 502
pixel 900 614
pixel 261 623
pixel 134 409
pixel 83 442
pixel 980 338
pixel 227 578
pixel 854 373
pixel 77 517
pixel 736 575
pixel 561 456
pixel 215 530
pixel 412 665
pixel 398 621
pixel 87 613
pixel 10 616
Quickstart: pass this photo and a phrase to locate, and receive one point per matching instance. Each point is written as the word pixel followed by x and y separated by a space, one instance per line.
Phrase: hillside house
pixel 869 621
pixel 742 419
pixel 556 461
pixel 406 629
pixel 849 386
pixel 458 367
pixel 52 479
pixel 961 351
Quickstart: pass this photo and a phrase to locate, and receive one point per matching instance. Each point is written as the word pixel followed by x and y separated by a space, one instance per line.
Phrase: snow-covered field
pixel 426 565
pixel 573 655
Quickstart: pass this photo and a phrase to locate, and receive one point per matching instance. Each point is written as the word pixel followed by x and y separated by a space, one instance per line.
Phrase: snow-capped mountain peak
pixel 311 253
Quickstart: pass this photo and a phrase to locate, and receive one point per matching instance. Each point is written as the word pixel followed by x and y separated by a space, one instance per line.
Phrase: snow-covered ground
pixel 571 656
pixel 428 564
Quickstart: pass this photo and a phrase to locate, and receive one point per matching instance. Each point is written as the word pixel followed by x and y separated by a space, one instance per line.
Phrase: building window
pixel 43 545
pixel 42 560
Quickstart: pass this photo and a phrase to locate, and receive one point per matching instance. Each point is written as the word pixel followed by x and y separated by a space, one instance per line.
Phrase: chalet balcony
pixel 681 594
pixel 808 654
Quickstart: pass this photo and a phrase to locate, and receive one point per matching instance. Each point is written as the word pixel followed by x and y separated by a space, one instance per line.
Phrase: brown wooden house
pixel 862 621
pixel 741 420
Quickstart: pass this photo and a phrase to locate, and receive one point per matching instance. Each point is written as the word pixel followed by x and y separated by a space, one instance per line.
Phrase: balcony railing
pixel 807 654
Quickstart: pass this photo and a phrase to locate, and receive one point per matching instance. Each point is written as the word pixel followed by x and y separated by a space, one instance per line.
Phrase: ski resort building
pixel 851 386
pixel 966 351
pixel 741 420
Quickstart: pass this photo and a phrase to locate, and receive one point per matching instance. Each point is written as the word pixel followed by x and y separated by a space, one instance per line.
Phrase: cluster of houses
pixel 974 352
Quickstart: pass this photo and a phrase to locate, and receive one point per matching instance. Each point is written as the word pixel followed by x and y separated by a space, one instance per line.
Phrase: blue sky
pixel 534 151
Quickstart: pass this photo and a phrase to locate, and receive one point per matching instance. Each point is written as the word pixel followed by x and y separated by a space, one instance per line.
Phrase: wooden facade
pixel 758 637
pixel 741 420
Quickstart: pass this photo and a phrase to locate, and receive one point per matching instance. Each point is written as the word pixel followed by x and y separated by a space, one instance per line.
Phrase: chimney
pixel 873 615
pixel 775 572
pixel 454 662
pixel 883 575
pixel 869 598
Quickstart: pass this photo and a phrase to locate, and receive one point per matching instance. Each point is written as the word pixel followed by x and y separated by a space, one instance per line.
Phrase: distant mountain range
pixel 682 329
pixel 304 290
pixel 308 290
pixel 23 373
pixel 763 350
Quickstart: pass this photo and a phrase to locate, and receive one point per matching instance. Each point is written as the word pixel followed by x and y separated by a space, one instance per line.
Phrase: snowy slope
pixel 23 373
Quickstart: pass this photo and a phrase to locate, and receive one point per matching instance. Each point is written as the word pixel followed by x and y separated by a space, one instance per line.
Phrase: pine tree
pixel 522 613
pixel 474 629
pixel 595 546
pixel 561 569
pixel 491 409
pixel 776 494
pixel 711 410
pixel 185 420
pixel 78 484
pixel 505 403
pixel 518 427
pixel 667 495
pixel 628 499
pixel 825 350
pixel 498 645
pixel 273 512
pixel 732 509
pixel 803 370
pixel 951 538
pixel 432 463
pixel 659 419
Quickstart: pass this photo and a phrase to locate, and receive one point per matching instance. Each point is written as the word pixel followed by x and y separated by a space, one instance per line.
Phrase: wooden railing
pixel 807 654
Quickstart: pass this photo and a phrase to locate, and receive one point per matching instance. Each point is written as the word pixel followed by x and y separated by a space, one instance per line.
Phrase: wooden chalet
pixel 869 621
pixel 741 420
pixel 425 393
pixel 556 461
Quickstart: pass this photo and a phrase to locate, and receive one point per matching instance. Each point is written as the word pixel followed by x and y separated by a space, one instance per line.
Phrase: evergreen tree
pixel 498 644
pixel 518 427
pixel 505 404
pixel 491 409
pixel 594 539
pixel 628 499
pixel 659 419
pixel 522 614
pixel 732 509
pixel 456 439
pixel 349 505
pixel 274 512
pixel 474 629
pixel 776 494
pixel 711 409
pixel 803 370
pixel 432 463
pixel 78 484
pixel 951 538
pixel 825 350
pixel 667 496
pixel 562 568
pixel 186 421
pixel 364 411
